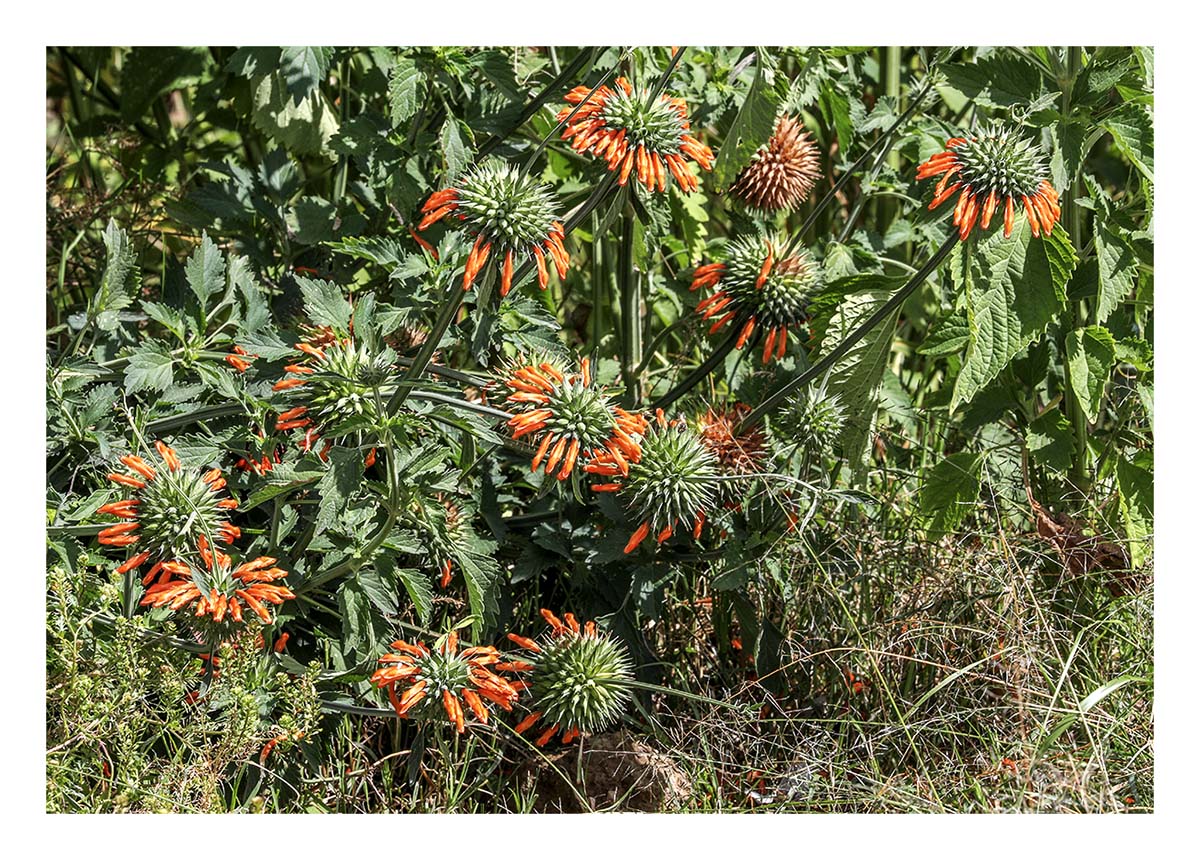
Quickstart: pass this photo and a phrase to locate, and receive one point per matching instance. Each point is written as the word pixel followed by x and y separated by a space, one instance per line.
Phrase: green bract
pixel 506 206
pixel 580 680
pixel 1000 160
pixel 676 478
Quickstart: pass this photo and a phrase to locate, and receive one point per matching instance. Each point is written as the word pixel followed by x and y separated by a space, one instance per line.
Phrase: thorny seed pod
pixel 512 216
pixel 783 171
pixel 444 681
pixel 170 508
pixel 570 416
pixel 333 386
pixel 675 481
pixel 636 135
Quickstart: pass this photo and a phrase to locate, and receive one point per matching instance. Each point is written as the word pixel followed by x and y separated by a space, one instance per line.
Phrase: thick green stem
pixel 890 307
pixel 700 373
pixel 631 306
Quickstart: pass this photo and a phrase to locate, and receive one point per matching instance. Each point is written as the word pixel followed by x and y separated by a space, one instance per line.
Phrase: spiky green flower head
pixel 812 418
pixel 513 216
pixel 579 678
pixel 171 508
pixel 635 133
pixel 337 383
pixel 759 291
pixel 997 168
pixel 675 480
pixel 570 413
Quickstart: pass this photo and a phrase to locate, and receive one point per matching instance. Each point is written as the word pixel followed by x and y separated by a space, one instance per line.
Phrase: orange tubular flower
pixel 169 509
pixel 759 290
pixel 578 679
pixel 571 417
pixel 441 682
pixel 513 218
pixel 994 172
pixel 237 361
pixel 636 136
pixel 231 590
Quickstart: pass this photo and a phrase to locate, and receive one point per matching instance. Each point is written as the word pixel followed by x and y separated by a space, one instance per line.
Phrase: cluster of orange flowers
pixel 447 678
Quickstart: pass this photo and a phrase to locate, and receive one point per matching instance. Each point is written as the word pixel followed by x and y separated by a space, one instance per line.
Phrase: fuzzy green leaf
pixel 149 71
pixel 325 304
pixel 1051 441
pixel 455 151
pixel 403 86
pixel 337 485
pixel 1091 352
pixel 303 69
pixel 951 491
pixel 303 128
pixel 855 378
pixel 1117 262
pixel 150 368
pixel 995 81
pixel 950 337
pixel 120 279
pixel 1014 288
pixel 205 270
pixel 1133 132
pixel 1135 479
pixel 752 127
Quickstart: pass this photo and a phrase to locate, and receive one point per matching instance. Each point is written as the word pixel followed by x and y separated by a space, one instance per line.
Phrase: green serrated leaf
pixel 1091 353
pixel 1050 440
pixel 303 128
pixel 1117 263
pixel 420 592
pixel 1014 287
pixel 205 270
pixel 752 127
pixel 149 71
pixel 325 304
pixel 403 87
pixel 1133 133
pixel 951 491
pixel 998 81
pixel 856 376
pixel 949 338
pixel 455 151
pixel 149 368
pixel 343 477
pixel 303 69
pixel 1135 479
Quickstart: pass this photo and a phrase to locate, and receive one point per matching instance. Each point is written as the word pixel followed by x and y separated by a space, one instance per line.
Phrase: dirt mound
pixel 620 772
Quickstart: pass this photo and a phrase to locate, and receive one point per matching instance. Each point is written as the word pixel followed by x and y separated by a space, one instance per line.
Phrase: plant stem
pixel 696 376
pixel 631 300
pixel 891 306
